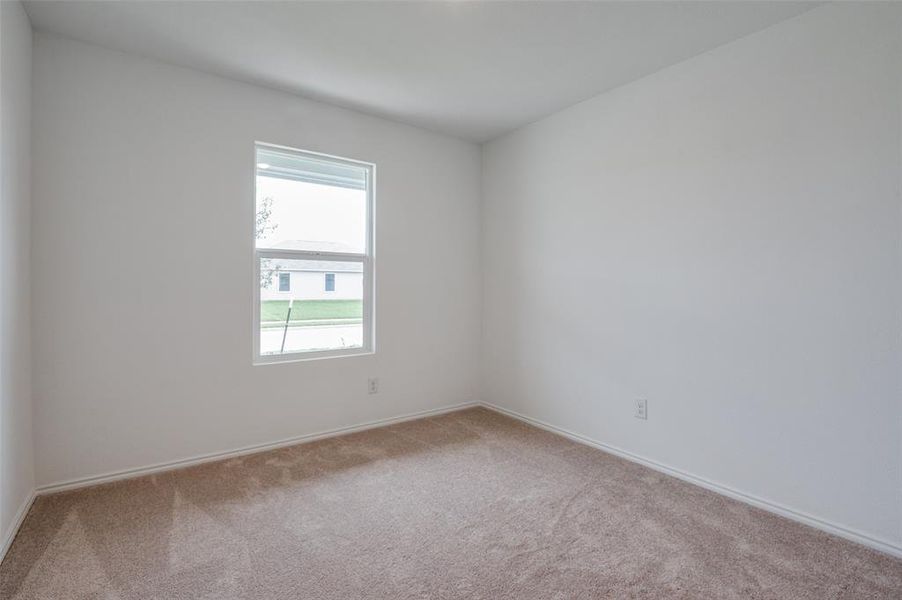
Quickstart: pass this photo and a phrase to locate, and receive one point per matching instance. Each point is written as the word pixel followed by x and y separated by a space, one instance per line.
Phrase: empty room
pixel 451 300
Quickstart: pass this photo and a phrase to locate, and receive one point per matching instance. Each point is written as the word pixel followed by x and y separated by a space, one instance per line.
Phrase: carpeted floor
pixel 466 505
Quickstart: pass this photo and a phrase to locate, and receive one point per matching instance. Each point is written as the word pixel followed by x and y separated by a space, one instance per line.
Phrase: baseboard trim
pixel 13 529
pixel 82 482
pixel 847 533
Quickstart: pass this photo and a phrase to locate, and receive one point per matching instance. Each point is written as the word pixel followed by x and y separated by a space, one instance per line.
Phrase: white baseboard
pixel 73 484
pixel 13 528
pixel 848 533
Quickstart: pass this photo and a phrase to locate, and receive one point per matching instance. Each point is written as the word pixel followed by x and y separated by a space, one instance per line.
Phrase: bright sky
pixel 313 212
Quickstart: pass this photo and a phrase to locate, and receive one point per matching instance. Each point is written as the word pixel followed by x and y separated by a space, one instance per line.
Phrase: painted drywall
pixel 721 238
pixel 143 167
pixel 16 457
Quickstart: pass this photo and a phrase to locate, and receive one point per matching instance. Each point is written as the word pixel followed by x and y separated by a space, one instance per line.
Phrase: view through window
pixel 313 232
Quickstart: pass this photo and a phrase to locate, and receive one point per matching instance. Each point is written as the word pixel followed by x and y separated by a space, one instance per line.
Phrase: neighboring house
pixel 312 279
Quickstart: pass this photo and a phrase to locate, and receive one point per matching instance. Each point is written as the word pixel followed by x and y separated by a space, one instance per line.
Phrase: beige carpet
pixel 466 505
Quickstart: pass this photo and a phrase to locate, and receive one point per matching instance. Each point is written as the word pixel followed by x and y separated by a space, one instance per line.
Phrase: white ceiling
pixel 470 69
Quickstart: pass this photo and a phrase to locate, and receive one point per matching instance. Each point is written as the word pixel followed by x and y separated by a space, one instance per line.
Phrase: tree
pixel 263 227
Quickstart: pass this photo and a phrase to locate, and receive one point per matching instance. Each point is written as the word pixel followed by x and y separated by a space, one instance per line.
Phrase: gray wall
pixel 739 218
pixel 16 465
pixel 148 168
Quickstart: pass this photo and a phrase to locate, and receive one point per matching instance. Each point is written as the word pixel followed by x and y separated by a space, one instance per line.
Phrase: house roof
pixel 313 246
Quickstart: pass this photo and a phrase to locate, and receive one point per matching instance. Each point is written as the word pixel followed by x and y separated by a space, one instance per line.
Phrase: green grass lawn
pixel 308 310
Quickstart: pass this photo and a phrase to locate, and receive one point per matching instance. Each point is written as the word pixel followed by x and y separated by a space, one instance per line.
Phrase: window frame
pixel 367 259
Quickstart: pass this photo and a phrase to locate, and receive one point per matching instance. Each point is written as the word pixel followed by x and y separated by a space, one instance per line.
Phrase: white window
pixel 313 228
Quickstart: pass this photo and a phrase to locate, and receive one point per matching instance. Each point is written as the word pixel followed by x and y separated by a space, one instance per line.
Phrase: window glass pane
pixel 308 204
pixel 330 282
pixel 308 318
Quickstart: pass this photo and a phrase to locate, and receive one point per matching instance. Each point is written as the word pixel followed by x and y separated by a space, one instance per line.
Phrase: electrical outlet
pixel 641 409
pixel 373 385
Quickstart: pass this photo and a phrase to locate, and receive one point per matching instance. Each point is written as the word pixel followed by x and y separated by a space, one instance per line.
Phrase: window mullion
pixel 308 255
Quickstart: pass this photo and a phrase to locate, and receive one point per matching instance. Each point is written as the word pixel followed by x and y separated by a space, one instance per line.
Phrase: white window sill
pixel 280 359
